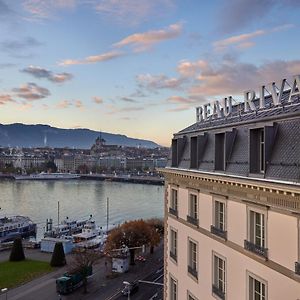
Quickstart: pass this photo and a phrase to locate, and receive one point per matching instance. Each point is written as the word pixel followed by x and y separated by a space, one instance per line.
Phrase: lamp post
pixel 127 284
pixel 4 291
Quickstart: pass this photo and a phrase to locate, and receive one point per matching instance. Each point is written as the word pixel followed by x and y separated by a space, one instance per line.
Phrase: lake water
pixel 80 198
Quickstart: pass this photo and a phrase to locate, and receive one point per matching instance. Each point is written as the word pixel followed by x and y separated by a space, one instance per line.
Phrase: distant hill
pixel 22 135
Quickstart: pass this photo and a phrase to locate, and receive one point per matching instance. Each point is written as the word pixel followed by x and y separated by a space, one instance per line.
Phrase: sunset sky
pixel 138 67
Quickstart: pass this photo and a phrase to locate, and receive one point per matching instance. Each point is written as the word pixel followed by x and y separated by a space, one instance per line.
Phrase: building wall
pixel 282 240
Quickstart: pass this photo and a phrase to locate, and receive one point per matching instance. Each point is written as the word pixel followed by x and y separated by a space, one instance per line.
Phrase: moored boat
pixel 47 176
pixel 16 226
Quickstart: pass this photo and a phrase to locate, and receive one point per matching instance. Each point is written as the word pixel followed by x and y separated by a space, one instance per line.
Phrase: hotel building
pixel 232 205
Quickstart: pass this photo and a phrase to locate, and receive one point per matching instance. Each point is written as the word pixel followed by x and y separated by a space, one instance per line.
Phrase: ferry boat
pixel 90 237
pixel 16 226
pixel 48 176
pixel 66 228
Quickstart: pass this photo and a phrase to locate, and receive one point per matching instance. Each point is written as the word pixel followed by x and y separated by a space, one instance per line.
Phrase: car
pixel 130 289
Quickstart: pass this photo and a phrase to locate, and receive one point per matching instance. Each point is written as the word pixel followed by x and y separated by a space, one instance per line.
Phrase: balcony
pixel 173 255
pixel 261 251
pixel 173 212
pixel 219 232
pixel 192 220
pixel 193 272
pixel 297 268
pixel 217 291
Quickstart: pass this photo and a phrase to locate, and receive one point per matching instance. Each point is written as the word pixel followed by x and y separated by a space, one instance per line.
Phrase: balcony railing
pixel 193 272
pixel 218 292
pixel 256 249
pixel 192 220
pixel 173 255
pixel 173 211
pixel 297 268
pixel 219 232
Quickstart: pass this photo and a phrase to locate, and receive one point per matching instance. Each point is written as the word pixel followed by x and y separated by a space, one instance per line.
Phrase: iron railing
pixel 256 249
pixel 217 291
pixel 192 220
pixel 173 211
pixel 193 272
pixel 173 255
pixel 219 232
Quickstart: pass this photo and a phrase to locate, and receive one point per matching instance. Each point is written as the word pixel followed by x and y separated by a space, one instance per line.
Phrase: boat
pixel 15 227
pixel 47 176
pixel 67 227
pixel 91 236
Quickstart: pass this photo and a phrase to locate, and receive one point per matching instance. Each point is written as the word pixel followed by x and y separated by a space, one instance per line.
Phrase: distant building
pixel 232 205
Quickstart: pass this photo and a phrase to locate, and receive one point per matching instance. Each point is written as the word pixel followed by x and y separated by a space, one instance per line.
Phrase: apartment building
pixel 232 204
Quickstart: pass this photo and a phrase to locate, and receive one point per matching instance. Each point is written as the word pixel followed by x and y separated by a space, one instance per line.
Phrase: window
pixel 190 296
pixel 173 289
pixel 192 258
pixel 219 276
pixel 220 152
pixel 257 288
pixel 219 218
pixel 257 150
pixel 256 233
pixel 193 209
pixel 173 244
pixel 174 202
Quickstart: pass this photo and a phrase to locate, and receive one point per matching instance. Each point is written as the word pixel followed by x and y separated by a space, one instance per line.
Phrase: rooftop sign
pixel 223 108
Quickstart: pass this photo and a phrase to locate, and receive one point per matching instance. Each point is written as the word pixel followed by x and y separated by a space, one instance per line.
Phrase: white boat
pixel 67 227
pixel 16 226
pixel 48 176
pixel 90 237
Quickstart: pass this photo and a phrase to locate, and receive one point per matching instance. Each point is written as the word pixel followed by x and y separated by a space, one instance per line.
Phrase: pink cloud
pixel 97 100
pixel 144 41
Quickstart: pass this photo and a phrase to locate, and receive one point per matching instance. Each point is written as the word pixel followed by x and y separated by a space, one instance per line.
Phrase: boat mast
pixel 57 212
pixel 107 214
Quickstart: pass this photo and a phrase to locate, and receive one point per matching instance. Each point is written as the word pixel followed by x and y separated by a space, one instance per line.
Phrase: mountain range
pixel 22 135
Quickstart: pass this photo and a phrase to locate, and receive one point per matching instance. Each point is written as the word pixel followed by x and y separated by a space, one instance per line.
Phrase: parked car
pixel 130 289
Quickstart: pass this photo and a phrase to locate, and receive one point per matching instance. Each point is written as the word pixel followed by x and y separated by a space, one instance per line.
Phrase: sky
pixel 138 67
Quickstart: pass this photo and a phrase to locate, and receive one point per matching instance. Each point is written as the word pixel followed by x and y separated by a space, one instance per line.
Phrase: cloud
pixel 6 98
pixel 7 65
pixel 155 82
pixel 114 110
pixel 237 14
pixel 92 59
pixel 63 104
pixel 144 41
pixel 78 104
pixel 126 99
pixel 234 77
pixel 133 12
pixel 244 40
pixel 97 100
pixel 4 9
pixel 19 48
pixel 181 100
pixel 188 69
pixel 44 9
pixel 39 72
pixel 31 92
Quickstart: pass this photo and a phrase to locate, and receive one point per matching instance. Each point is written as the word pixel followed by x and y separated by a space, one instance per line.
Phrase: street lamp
pixel 4 291
pixel 127 284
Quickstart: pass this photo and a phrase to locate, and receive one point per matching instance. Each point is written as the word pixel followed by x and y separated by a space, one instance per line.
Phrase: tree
pixel 157 231
pixel 51 166
pixel 58 258
pixel 131 234
pixel 82 262
pixel 17 252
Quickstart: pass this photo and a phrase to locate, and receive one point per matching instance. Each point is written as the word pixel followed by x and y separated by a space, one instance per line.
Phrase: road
pixel 146 291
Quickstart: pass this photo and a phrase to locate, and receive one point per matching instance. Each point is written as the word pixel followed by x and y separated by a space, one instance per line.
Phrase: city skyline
pixel 137 67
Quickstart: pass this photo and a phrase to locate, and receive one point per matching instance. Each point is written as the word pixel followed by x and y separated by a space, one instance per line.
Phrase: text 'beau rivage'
pixel 221 109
